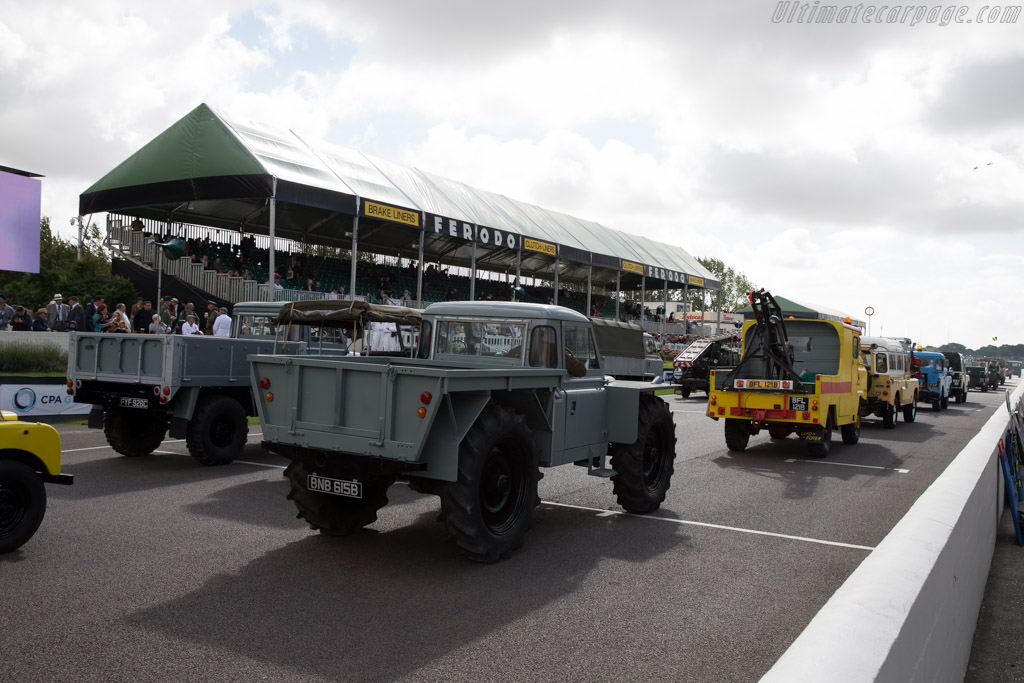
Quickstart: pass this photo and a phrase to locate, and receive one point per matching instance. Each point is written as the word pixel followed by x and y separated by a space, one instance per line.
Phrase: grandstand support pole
pixel 618 291
pixel 643 299
pixel 519 267
pixel 355 252
pixel 419 264
pixel 718 322
pixel 664 313
pixel 703 307
pixel 271 266
pixel 686 307
pixel 472 270
pixel 590 279
pixel 558 264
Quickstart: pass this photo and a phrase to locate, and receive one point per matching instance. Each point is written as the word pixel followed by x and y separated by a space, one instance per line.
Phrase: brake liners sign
pixel 543 247
pixel 633 267
pixel 391 213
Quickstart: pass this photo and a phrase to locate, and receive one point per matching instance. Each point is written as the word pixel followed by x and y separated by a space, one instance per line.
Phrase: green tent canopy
pixel 791 307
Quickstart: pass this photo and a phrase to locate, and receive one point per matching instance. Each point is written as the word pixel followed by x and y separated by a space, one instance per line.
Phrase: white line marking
pixel 94 448
pixel 850 464
pixel 608 513
pixel 686 411
pixel 259 464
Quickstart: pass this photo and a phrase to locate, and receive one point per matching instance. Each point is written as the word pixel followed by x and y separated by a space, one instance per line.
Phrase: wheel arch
pixel 26 458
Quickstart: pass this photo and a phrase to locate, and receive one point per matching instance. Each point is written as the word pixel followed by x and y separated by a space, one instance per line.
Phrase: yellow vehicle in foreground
pixel 29 456
pixel 799 375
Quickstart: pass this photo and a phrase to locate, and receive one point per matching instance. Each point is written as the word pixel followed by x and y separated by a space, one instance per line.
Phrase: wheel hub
pixel 11 508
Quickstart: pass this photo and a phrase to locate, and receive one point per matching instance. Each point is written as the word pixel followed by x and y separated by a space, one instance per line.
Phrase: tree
pixel 735 286
pixel 61 271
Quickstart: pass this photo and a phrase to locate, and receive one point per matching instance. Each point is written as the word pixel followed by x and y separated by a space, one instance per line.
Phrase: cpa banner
pixel 40 399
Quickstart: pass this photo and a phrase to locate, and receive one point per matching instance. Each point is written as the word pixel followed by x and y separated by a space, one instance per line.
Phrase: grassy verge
pixel 28 359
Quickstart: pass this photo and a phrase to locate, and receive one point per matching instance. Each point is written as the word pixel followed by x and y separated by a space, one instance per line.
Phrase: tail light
pixel 269 397
pixel 70 383
pixel 264 383
pixel 156 391
pixel 167 391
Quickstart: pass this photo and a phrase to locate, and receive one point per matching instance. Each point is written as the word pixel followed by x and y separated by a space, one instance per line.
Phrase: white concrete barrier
pixel 909 611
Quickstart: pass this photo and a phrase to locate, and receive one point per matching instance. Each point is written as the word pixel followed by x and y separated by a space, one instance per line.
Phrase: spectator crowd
pixel 171 317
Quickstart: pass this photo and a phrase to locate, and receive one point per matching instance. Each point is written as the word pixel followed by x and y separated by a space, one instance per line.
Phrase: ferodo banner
pixel 39 399
pixel 391 213
pixel 484 236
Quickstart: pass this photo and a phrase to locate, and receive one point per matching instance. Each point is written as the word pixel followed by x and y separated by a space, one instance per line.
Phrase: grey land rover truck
pixel 494 392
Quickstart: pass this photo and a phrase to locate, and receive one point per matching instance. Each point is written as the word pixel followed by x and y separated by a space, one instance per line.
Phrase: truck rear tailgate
pixel 362 407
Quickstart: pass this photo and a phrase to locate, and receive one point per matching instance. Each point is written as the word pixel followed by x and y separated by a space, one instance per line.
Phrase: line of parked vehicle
pixel 466 401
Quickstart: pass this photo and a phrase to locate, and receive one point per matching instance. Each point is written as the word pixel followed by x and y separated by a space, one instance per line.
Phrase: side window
pixel 881 363
pixel 543 347
pixel 426 329
pixel 856 347
pixel 580 342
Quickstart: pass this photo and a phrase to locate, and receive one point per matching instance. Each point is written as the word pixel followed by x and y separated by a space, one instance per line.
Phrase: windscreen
pixel 483 338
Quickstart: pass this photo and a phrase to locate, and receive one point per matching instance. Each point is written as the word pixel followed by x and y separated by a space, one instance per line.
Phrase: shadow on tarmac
pixel 801 478
pixel 379 605
pixel 117 474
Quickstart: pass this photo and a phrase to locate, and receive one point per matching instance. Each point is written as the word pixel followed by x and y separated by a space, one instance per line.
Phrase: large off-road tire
pixel 217 431
pixel 820 449
pixel 935 405
pixel 488 509
pixel 736 435
pixel 851 433
pixel 910 411
pixel 134 432
pixel 984 388
pixel 643 469
pixel 944 402
pixel 335 515
pixel 963 396
pixel 22 504
pixel 891 414
pixel 685 392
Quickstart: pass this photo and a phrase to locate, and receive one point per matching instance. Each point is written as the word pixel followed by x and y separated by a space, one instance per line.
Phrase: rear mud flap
pixel 813 435
pixel 96 417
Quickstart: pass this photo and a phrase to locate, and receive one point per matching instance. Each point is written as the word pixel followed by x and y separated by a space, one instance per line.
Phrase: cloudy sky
pixel 848 164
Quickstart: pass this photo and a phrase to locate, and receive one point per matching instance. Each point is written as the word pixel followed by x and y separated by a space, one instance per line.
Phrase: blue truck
pixel 932 370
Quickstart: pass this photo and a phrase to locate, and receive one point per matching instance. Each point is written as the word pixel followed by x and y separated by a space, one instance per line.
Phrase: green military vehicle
pixel 495 391
pixel 977 375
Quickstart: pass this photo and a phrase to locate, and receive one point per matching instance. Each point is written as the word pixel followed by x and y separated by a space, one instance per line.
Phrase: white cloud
pixel 834 162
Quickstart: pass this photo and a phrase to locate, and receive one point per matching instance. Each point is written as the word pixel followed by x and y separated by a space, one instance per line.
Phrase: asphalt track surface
pixel 159 568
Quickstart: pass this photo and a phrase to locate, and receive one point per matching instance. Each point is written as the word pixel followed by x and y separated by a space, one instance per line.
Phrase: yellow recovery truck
pixel 798 375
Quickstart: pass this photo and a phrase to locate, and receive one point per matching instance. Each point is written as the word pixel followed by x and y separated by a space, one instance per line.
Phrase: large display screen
pixel 20 207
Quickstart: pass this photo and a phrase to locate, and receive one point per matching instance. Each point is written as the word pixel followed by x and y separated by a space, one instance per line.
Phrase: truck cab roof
pixel 504 309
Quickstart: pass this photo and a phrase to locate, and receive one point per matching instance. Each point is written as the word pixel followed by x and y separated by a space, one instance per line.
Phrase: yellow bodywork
pixel 838 389
pixel 35 438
